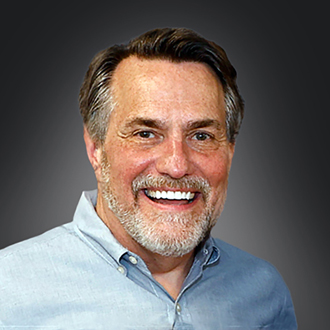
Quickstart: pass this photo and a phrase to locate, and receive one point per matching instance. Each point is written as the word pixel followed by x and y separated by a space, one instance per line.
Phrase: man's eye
pixel 146 134
pixel 200 136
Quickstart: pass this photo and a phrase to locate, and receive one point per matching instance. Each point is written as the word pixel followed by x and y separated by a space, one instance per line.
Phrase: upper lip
pixel 171 189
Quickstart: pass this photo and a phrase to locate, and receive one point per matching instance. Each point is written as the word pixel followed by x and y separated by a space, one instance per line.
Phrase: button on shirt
pixel 78 276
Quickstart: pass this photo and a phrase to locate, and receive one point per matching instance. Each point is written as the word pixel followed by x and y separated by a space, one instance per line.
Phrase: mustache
pixel 190 183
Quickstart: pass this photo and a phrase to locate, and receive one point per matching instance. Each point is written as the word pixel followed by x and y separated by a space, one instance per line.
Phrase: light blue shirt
pixel 78 276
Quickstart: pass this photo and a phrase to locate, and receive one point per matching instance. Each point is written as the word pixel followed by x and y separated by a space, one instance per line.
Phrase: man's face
pixel 166 158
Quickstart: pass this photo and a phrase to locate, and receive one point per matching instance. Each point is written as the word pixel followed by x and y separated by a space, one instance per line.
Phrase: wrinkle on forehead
pixel 134 75
pixel 141 87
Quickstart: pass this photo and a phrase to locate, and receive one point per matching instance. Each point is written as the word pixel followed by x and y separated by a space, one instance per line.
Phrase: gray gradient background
pixel 278 189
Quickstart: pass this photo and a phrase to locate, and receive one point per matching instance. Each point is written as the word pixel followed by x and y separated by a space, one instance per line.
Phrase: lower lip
pixel 175 205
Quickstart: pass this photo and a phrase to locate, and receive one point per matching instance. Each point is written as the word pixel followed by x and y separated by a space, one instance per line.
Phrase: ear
pixel 231 152
pixel 94 152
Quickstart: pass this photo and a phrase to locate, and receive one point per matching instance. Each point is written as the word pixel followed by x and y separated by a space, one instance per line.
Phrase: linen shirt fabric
pixel 78 276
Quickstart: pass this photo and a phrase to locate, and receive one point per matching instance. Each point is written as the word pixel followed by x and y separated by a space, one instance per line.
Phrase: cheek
pixel 216 170
pixel 126 165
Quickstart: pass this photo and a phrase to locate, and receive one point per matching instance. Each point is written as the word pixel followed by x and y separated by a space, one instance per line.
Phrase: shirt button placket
pixel 178 308
pixel 133 260
pixel 121 269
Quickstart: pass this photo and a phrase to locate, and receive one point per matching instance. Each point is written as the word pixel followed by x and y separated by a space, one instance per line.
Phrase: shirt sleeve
pixel 286 319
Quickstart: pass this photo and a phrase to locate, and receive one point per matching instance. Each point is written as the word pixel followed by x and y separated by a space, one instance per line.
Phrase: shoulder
pixel 38 247
pixel 233 255
pixel 32 267
pixel 253 287
pixel 249 269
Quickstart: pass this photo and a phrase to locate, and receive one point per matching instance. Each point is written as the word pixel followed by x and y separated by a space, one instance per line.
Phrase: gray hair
pixel 174 44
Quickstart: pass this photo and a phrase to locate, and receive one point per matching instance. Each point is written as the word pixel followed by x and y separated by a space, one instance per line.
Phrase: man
pixel 161 116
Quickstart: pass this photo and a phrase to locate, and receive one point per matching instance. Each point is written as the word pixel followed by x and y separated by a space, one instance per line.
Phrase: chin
pixel 171 235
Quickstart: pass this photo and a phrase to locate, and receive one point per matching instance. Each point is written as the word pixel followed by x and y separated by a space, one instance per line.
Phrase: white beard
pixel 163 233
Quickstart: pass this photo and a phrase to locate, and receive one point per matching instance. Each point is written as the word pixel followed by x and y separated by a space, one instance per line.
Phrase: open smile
pixel 171 197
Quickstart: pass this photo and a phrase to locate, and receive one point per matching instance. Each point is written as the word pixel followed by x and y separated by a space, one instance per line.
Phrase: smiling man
pixel 161 115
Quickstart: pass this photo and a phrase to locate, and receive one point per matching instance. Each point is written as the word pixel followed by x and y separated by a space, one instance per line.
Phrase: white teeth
pixel 170 195
pixel 175 195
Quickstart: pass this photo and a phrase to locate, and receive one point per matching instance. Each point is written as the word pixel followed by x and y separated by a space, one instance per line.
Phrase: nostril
pixel 175 165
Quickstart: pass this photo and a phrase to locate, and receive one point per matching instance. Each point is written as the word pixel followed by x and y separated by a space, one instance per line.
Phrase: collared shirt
pixel 78 276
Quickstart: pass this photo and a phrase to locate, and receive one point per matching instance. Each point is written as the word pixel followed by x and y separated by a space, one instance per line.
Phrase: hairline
pixel 112 102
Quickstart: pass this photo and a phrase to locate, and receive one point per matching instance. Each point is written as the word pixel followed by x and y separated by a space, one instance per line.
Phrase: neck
pixel 170 272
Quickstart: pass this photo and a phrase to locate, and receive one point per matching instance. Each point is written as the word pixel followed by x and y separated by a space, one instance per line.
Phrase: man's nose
pixel 174 159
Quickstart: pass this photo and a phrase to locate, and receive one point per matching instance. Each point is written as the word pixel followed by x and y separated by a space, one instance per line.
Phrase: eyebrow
pixel 205 123
pixel 156 123
pixel 148 122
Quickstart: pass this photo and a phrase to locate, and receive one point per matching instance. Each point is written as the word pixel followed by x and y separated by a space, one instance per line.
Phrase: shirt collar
pixel 207 253
pixel 94 229
pixel 88 223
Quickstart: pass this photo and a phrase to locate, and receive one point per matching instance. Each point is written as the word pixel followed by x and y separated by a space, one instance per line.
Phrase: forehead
pixel 141 84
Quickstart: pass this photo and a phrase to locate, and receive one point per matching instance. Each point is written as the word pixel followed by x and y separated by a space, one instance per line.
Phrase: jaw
pixel 165 227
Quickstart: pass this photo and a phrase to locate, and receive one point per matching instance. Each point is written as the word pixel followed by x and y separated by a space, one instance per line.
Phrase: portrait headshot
pixel 162 168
